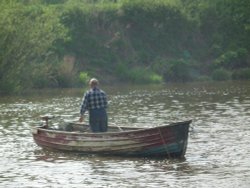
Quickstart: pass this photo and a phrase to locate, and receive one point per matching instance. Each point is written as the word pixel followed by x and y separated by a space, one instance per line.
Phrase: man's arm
pixel 84 107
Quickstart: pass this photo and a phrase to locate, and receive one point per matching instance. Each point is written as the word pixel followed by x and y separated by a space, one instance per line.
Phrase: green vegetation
pixel 221 74
pixel 62 43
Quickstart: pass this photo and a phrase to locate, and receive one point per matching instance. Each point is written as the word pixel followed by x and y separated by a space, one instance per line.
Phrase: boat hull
pixel 165 141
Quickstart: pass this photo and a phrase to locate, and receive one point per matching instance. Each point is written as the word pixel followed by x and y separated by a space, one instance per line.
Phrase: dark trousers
pixel 98 120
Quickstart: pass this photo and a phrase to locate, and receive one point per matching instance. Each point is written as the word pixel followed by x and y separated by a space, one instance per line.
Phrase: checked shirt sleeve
pixel 84 105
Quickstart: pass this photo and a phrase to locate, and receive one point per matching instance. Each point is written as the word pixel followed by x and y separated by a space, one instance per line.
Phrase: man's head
pixel 93 82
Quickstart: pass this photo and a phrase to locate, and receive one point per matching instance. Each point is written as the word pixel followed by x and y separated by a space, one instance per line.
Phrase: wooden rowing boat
pixel 168 141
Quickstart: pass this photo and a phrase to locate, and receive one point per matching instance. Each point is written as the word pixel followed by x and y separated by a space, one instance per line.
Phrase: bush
pixel 232 59
pixel 155 78
pixel 140 75
pixel 84 77
pixel 241 74
pixel 179 70
pixel 155 27
pixel 221 74
pixel 43 76
pixel 137 75
pixel 9 86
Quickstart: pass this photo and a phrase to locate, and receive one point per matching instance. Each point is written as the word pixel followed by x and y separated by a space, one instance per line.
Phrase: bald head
pixel 93 82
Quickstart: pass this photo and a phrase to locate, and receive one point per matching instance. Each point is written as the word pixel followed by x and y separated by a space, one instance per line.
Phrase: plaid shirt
pixel 93 99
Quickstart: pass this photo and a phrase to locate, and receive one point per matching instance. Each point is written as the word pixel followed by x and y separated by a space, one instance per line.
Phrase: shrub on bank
pixel 221 74
pixel 137 75
pixel 84 77
pixel 241 74
pixel 108 37
pixel 179 71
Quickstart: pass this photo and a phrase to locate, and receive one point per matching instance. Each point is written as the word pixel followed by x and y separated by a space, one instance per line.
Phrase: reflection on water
pixel 217 155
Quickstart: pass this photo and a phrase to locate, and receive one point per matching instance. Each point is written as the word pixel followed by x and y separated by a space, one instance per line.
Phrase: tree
pixel 27 36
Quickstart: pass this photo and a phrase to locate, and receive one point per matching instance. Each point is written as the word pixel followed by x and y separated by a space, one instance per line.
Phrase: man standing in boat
pixel 95 102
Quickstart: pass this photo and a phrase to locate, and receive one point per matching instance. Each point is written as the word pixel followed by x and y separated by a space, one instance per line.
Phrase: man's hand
pixel 81 119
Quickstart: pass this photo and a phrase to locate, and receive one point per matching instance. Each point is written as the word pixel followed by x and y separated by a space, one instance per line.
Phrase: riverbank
pixel 121 87
pixel 60 44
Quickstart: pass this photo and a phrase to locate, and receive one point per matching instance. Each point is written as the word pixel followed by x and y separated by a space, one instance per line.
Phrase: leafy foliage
pixel 241 74
pixel 84 77
pixel 221 74
pixel 27 35
pixel 140 41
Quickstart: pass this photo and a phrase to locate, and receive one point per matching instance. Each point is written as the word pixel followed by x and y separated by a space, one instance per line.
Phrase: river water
pixel 217 154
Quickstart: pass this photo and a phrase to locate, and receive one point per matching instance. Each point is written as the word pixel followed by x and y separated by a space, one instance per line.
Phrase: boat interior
pixel 80 127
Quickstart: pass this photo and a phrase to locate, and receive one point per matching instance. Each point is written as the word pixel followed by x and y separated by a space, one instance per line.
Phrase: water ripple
pixel 217 155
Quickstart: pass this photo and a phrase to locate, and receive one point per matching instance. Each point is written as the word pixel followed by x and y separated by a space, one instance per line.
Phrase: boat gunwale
pixel 57 131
